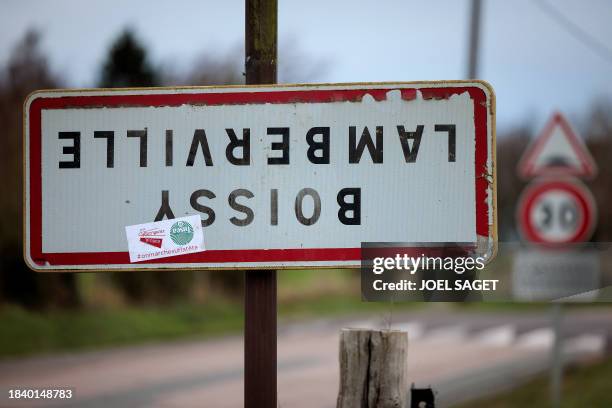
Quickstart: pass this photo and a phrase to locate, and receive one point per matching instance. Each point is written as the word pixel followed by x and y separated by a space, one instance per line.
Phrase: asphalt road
pixel 462 355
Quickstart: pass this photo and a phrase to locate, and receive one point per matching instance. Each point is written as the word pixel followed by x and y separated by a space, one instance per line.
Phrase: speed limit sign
pixel 556 212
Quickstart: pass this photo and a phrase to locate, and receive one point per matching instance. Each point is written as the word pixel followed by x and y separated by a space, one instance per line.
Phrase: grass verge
pixel 26 332
pixel 584 386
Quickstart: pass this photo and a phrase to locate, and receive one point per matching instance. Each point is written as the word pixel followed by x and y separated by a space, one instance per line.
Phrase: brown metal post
pixel 260 339
pixel 260 41
pixel 260 307
pixel 474 42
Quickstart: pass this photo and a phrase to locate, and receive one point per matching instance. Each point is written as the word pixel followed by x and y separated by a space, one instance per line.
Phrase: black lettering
pixel 244 143
pixel 165 210
pixel 74 150
pixel 274 206
pixel 354 207
pixel 451 139
pixel 410 155
pixel 193 200
pixel 283 146
pixel 356 150
pixel 323 145
pixel 142 134
pixel 317 206
pixel 110 146
pixel 169 150
pixel 567 216
pixel 199 139
pixel 241 192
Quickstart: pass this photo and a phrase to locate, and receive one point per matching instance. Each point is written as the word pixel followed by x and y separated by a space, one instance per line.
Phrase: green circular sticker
pixel 181 233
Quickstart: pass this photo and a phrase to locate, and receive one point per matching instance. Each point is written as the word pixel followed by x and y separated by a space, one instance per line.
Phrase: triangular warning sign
pixel 557 151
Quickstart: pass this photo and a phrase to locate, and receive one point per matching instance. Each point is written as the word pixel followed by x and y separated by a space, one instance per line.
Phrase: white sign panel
pixel 540 275
pixel 281 176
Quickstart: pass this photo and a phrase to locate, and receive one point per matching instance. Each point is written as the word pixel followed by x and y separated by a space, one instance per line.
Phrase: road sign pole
pixel 472 71
pixel 556 369
pixel 260 339
pixel 260 309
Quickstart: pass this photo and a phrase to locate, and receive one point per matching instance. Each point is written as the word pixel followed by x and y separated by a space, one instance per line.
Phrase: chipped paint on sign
pixel 282 176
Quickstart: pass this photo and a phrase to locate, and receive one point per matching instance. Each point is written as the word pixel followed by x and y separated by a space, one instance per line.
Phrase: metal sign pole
pixel 260 309
pixel 472 71
pixel 556 370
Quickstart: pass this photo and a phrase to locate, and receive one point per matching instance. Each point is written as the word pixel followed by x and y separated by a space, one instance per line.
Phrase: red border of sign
pixel 573 187
pixel 39 104
pixel 526 165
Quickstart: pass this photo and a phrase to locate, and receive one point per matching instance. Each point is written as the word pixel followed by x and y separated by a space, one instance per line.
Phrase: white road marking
pixel 498 336
pixel 541 338
pixel 415 330
pixel 585 344
pixel 362 324
pixel 446 334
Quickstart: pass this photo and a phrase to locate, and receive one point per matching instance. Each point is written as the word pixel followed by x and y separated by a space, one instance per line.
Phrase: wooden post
pixel 372 369
pixel 260 308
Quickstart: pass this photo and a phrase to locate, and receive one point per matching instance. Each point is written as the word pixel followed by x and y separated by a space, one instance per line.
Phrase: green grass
pixel 588 386
pixel 303 294
pixel 27 332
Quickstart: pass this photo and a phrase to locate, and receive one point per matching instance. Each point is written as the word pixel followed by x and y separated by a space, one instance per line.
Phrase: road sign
pixel 558 151
pixel 544 275
pixel 556 212
pixel 282 176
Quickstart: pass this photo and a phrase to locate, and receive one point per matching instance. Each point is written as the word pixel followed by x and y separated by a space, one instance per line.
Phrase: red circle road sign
pixel 556 212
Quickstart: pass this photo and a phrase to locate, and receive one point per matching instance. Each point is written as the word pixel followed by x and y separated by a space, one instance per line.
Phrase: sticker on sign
pixel 163 239
pixel 280 176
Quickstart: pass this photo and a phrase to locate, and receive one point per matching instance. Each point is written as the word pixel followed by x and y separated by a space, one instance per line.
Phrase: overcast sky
pixel 533 62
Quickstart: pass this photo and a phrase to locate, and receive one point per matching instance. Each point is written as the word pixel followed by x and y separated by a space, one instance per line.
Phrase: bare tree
pixel 598 135
pixel 26 71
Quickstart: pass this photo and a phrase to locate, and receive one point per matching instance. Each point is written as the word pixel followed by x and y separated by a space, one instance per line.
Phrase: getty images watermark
pixel 430 272
pixel 414 264
pixel 456 272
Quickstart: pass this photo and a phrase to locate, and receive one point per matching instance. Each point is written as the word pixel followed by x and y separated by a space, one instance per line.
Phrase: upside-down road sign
pixel 280 176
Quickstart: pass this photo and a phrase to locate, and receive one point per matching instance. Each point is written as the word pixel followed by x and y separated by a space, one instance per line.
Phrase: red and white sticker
pixel 165 238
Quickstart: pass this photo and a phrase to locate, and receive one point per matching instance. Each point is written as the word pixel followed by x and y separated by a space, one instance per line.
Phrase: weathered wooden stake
pixel 372 369
pixel 260 307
